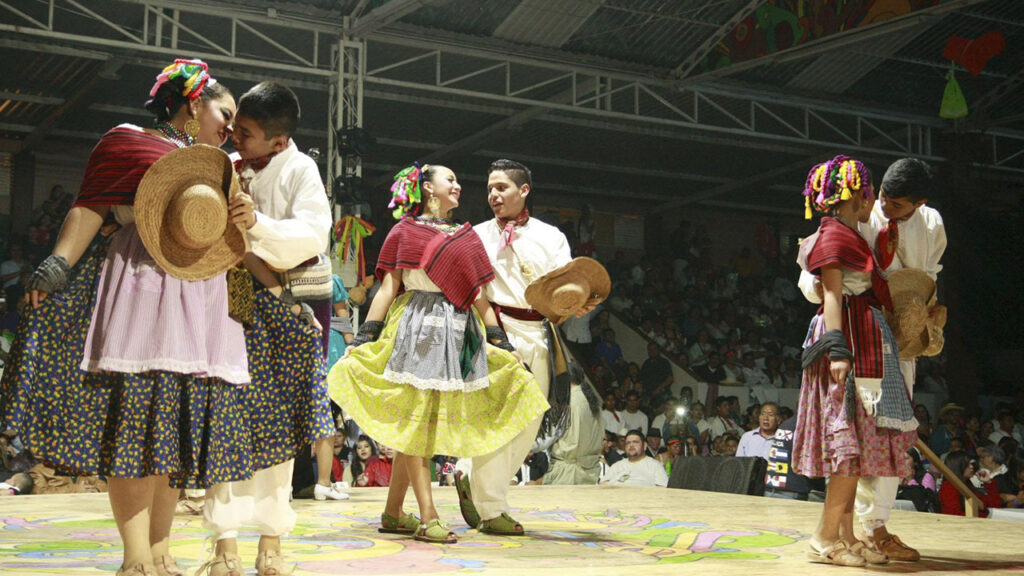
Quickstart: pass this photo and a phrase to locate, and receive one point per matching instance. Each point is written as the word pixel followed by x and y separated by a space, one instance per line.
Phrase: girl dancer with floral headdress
pixel 430 371
pixel 854 418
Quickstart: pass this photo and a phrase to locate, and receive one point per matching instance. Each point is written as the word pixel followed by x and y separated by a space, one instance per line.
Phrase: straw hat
pixel 916 320
pixel 562 292
pixel 181 209
pixel 949 407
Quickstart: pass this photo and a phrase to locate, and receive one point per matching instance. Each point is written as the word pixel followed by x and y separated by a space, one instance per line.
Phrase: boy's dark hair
pixel 516 172
pixel 721 400
pixel 273 106
pixel 908 178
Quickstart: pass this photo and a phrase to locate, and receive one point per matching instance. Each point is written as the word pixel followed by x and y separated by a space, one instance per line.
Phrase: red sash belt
pixel 527 314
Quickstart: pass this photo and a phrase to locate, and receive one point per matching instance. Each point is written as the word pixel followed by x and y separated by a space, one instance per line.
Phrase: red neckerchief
pixel 508 227
pixel 888 241
pixel 256 164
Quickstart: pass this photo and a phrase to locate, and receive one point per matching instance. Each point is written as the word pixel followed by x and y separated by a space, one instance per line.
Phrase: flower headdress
pixel 406 193
pixel 832 182
pixel 193 71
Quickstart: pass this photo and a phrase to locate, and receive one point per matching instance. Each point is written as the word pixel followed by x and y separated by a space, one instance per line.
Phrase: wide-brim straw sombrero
pixel 916 319
pixel 563 291
pixel 181 211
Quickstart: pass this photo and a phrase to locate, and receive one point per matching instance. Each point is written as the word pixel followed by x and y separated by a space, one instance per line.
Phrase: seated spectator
pixel 753 348
pixel 950 500
pixel 752 374
pixel 685 396
pixel 610 416
pixel 691 446
pixel 632 417
pixel 780 480
pixel 992 469
pixel 1006 426
pixel 919 486
pixel 721 423
pixel 532 472
pixel 655 375
pixel 341 457
pixel 378 472
pixel 445 467
pixel 955 445
pixel 609 454
pixel 758 442
pixel 730 442
pixel 701 350
pixel 791 375
pixel 773 369
pixel 733 371
pixel 785 413
pixel 14 265
pixel 608 353
pixel 13 307
pixel 697 424
pixel 668 419
pixel 753 419
pixel 654 446
pixel 711 372
pixel 673 449
pixel 364 454
pixel 924 424
pixel 637 469
pixel 950 417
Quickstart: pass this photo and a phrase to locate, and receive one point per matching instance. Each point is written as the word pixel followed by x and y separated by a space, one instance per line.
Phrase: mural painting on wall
pixel 782 24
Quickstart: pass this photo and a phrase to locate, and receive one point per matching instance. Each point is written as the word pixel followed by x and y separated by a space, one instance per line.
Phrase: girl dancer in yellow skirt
pixel 430 371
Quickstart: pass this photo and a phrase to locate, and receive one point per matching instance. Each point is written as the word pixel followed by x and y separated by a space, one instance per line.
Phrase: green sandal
pixel 407 524
pixel 437 532
pixel 466 506
pixel 503 525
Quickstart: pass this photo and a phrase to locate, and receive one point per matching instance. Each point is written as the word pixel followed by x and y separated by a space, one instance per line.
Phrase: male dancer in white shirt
pixel 521 250
pixel 905 233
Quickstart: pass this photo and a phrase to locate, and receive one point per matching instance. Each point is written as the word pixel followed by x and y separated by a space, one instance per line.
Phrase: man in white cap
pixel 905 233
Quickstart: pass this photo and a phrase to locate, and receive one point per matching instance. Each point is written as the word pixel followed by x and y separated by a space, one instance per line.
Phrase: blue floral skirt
pixel 198 431
pixel 286 404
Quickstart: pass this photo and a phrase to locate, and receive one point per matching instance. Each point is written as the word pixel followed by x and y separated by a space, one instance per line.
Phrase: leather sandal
pixel 226 564
pixel 436 532
pixel 895 549
pixel 868 553
pixel 503 525
pixel 466 506
pixel 838 554
pixel 137 570
pixel 166 566
pixel 271 563
pixel 405 524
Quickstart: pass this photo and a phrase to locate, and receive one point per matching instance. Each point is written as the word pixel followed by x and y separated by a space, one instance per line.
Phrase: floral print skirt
pixel 198 431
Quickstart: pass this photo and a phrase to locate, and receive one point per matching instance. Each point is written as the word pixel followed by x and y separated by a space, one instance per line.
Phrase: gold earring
pixel 434 205
pixel 191 127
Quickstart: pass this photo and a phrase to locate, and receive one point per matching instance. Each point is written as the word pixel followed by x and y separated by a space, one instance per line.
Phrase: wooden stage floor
pixel 572 530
